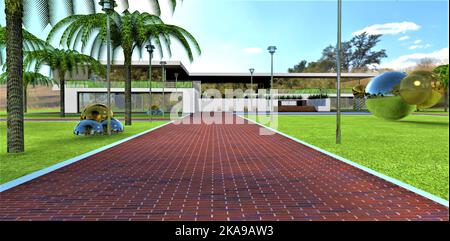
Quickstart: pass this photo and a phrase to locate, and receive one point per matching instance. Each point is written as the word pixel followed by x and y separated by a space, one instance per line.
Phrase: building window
pixel 140 102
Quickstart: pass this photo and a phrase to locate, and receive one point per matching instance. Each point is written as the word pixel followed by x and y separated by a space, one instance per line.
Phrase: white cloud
pixel 252 50
pixel 406 37
pixel 411 60
pixel 389 28
pixel 419 46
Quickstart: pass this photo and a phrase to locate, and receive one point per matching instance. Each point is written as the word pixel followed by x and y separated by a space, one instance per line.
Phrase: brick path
pixel 213 172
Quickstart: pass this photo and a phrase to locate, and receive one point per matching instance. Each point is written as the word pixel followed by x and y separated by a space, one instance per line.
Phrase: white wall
pixel 228 105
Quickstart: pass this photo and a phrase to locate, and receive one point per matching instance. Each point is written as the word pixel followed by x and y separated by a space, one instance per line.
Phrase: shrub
pixel 319 96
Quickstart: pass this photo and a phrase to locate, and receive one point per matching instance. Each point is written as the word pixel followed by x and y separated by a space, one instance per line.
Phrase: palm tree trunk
pixel 14 63
pixel 62 93
pixel 128 56
pixel 25 98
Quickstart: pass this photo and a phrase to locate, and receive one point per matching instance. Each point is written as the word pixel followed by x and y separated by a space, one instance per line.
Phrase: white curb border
pixel 34 175
pixel 375 173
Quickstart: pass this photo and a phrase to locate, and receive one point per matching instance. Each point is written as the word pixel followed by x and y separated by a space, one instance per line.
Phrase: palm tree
pixel 129 32
pixel 61 63
pixel 14 90
pixel 14 10
pixel 30 42
pixel 29 78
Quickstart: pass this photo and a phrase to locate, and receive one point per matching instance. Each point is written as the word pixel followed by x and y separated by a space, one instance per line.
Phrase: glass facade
pixel 348 104
pixel 140 102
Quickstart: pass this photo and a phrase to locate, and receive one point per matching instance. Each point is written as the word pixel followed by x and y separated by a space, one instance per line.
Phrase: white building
pixel 183 90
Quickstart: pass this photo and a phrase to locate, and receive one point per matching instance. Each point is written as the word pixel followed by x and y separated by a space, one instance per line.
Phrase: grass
pixel 413 150
pixel 54 114
pixel 319 91
pixel 48 143
pixel 432 111
pixel 121 84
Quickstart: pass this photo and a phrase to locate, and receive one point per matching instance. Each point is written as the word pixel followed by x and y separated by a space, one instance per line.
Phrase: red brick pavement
pixel 213 172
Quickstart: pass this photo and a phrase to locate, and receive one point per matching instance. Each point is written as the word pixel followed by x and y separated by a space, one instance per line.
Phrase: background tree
pixel 424 65
pixel 129 32
pixel 30 43
pixel 299 68
pixel 29 78
pixel 442 73
pixel 362 54
pixel 357 55
pixel 62 62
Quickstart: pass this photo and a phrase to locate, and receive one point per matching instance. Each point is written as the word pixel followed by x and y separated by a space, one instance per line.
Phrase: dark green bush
pixel 319 96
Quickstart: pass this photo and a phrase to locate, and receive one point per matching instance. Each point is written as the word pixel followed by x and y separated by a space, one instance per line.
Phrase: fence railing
pixel 316 91
pixel 121 84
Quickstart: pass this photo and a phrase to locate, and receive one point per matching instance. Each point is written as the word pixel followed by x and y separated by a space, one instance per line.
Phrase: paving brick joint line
pixel 213 172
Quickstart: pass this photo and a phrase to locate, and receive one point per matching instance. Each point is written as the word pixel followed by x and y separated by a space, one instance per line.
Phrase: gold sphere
pixel 359 91
pixel 416 87
pixel 96 112
pixel 437 92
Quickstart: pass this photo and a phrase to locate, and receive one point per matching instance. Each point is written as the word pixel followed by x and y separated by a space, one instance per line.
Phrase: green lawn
pixel 51 115
pixel 413 150
pixel 48 143
pixel 121 84
pixel 432 111
pixel 319 91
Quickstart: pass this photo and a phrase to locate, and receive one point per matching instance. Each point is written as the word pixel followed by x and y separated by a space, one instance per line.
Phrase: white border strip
pixel 375 173
pixel 34 175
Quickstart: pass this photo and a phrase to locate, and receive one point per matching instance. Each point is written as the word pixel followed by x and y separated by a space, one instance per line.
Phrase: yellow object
pixel 96 112
pixel 435 97
pixel 416 87
pixel 437 92
pixel 358 91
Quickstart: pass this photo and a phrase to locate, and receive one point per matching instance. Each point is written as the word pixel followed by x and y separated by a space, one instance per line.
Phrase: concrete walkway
pixel 213 172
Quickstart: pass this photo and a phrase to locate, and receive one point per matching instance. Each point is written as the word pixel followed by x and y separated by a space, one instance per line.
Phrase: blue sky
pixel 234 34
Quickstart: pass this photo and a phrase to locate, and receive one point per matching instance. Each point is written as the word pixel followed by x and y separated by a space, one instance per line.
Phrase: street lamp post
pixel 252 70
pixel 272 50
pixel 338 76
pixel 150 48
pixel 108 7
pixel 163 69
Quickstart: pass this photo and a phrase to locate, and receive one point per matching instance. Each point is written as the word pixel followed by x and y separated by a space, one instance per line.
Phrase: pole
pixel 150 82
pixel 252 70
pixel 271 87
pixel 251 92
pixel 338 66
pixel 163 88
pixel 108 70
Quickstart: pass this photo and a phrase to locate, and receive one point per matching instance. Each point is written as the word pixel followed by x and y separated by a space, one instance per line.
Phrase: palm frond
pixel 30 77
pixel 30 42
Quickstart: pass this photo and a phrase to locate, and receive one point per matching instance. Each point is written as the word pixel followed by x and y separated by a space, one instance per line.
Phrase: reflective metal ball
pixel 416 87
pixel 384 99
